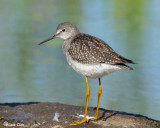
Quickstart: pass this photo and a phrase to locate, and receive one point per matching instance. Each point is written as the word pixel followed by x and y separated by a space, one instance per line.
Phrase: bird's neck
pixel 67 43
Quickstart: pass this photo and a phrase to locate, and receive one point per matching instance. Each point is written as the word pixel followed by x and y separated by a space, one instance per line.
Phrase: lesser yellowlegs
pixel 89 56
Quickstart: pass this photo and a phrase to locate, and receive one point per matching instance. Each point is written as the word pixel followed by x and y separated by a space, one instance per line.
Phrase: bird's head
pixel 64 31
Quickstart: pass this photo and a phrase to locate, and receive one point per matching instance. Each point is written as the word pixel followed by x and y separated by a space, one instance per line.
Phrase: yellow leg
pixel 98 101
pixel 87 99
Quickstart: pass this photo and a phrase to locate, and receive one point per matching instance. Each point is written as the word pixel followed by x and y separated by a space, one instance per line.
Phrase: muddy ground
pixel 55 115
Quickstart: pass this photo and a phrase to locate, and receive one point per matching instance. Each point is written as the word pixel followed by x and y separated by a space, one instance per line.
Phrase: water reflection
pixel 29 72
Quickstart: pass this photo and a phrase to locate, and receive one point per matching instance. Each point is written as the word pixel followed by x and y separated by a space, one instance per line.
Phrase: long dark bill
pixel 50 38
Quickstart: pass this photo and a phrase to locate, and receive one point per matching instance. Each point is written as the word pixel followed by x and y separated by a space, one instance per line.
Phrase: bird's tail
pixel 124 66
pixel 125 60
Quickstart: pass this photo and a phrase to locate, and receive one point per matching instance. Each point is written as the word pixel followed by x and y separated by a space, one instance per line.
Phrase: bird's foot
pixel 85 120
pixel 92 119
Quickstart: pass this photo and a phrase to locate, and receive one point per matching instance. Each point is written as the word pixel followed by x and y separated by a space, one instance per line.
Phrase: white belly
pixel 92 70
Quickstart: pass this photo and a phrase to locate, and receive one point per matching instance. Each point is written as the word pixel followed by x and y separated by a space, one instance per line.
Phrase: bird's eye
pixel 63 30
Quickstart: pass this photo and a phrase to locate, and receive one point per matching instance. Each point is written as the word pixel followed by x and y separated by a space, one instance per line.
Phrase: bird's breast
pixel 91 70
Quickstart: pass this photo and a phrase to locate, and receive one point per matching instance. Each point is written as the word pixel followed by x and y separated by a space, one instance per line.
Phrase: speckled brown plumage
pixel 87 49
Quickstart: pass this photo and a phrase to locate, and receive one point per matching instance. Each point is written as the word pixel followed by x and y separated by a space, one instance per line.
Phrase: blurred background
pixel 29 72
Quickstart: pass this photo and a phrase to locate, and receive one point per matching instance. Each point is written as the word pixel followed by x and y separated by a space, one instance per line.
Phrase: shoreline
pixel 57 115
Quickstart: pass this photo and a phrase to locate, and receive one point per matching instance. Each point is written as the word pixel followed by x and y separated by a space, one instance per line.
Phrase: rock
pixel 55 115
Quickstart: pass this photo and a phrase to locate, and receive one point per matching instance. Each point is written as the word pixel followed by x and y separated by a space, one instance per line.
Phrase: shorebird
pixel 89 56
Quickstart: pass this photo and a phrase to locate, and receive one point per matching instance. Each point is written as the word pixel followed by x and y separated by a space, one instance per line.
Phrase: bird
pixel 89 56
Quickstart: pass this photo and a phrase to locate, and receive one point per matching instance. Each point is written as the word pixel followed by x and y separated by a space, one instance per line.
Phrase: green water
pixel 29 72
